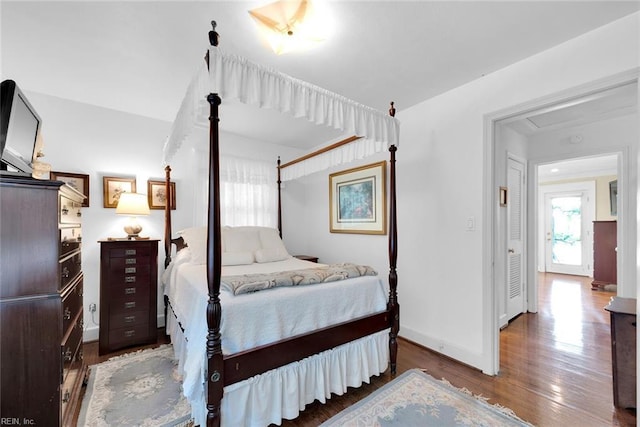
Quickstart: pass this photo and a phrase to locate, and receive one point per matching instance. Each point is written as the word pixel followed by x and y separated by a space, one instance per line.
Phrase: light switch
pixel 471 224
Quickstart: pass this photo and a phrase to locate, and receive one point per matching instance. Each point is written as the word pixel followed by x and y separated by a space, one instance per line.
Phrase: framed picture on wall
pixel 157 194
pixel 357 200
pixel 77 181
pixel 114 186
pixel 613 197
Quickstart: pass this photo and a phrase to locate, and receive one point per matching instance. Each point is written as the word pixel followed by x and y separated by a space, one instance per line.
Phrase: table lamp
pixel 134 205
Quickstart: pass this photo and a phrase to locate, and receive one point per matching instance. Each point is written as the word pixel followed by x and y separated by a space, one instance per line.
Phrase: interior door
pixel 515 298
pixel 568 233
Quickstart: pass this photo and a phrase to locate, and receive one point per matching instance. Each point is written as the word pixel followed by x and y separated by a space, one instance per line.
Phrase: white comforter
pixel 255 319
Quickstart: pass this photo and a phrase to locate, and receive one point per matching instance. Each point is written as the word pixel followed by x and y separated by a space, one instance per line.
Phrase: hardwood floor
pixel 555 365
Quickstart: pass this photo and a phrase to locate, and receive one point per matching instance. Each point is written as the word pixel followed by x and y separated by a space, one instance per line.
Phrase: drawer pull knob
pixel 130 304
pixel 129 291
pixel 130 270
pixel 129 334
pixel 129 319
pixel 130 279
pixel 67 355
pixel 130 252
pixel 65 273
pixel 67 313
pixel 66 397
pixel 130 261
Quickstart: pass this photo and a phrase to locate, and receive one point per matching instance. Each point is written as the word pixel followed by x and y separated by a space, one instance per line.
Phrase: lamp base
pixel 132 229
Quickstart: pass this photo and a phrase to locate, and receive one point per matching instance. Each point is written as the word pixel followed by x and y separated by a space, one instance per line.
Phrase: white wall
pixel 444 268
pixel 97 141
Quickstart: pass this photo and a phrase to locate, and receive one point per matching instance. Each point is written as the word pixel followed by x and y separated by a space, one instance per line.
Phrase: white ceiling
pixel 579 168
pixel 138 57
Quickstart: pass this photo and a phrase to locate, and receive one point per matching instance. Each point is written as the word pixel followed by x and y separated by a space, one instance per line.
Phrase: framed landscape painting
pixel 357 200
pixel 77 181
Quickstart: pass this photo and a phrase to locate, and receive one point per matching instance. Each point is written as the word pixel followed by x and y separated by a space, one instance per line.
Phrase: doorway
pixel 527 121
pixel 567 212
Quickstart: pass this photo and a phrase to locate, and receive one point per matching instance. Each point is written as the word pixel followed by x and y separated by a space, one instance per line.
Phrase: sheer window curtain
pixel 248 192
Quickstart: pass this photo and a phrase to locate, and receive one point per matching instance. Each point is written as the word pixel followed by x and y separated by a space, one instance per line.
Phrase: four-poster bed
pixel 332 342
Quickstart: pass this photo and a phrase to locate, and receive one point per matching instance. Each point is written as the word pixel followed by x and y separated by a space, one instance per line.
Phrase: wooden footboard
pixel 246 364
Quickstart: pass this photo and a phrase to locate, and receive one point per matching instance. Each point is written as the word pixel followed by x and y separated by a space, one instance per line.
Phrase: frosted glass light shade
pixel 292 25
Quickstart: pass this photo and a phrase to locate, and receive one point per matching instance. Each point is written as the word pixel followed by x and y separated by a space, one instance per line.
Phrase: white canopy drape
pixel 236 78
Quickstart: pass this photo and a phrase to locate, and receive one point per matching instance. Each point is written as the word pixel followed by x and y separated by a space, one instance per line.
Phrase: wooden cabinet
pixel 604 253
pixel 623 350
pixel 128 293
pixel 41 315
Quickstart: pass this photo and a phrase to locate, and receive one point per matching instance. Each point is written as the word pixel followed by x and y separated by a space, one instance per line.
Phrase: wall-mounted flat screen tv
pixel 19 127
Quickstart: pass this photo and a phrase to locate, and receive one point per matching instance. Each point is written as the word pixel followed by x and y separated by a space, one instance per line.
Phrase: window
pixel 248 192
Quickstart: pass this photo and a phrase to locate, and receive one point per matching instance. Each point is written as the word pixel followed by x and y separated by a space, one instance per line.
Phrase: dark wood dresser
pixel 128 293
pixel 604 254
pixel 41 315
pixel 623 350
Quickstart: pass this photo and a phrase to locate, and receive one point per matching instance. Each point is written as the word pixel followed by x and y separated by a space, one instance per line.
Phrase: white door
pixel 515 298
pixel 568 232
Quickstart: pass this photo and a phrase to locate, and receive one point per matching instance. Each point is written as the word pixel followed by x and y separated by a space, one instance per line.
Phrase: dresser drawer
pixel 129 319
pixel 132 273
pixel 72 381
pixel 71 304
pixel 139 250
pixel 122 337
pixel 70 240
pixel 69 268
pixel 129 305
pixel 138 291
pixel 69 211
pixel 71 346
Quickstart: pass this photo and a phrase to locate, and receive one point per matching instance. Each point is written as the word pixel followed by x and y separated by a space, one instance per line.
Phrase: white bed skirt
pixel 282 393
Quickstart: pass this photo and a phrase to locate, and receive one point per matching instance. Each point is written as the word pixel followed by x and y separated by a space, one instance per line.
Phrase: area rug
pixel 136 389
pixel 417 399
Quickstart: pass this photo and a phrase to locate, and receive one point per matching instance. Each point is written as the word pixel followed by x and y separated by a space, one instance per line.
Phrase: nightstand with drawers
pixel 128 293
pixel 307 258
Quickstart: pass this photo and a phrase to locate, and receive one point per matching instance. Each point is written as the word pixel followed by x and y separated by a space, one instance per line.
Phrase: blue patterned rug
pixel 136 389
pixel 417 399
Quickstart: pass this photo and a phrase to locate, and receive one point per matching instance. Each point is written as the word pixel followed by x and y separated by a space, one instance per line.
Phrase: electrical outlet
pixel 92 307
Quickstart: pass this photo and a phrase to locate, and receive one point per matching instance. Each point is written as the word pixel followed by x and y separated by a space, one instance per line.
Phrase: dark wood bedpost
pixel 167 217
pixel 215 365
pixel 392 305
pixel 279 201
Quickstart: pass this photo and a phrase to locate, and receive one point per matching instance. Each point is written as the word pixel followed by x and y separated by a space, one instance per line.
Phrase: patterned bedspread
pixel 245 283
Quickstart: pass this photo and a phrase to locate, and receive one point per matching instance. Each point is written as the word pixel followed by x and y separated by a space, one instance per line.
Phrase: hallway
pixel 563 355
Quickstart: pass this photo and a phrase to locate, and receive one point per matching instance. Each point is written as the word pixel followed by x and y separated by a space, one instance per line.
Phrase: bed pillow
pixel 241 239
pixel 196 240
pixel 271 255
pixel 237 258
pixel 272 248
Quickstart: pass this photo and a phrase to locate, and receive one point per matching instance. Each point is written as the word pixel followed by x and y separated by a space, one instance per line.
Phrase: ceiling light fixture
pixel 291 25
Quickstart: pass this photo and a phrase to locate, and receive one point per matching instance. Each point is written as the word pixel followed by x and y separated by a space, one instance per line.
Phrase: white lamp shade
pixel 133 204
